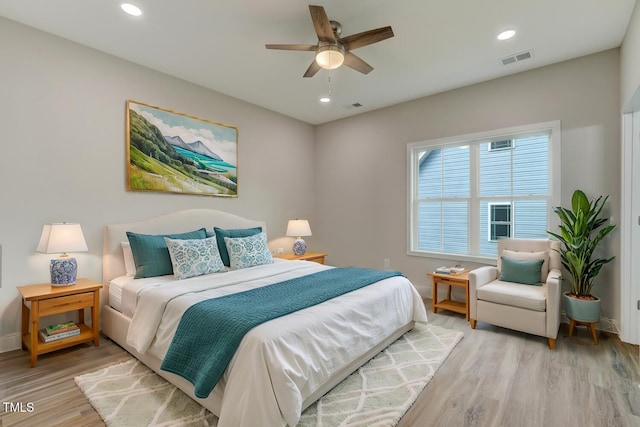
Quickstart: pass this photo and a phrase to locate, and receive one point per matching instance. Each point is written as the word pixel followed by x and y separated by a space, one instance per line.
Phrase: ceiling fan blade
pixel 352 61
pixel 321 24
pixel 309 47
pixel 366 38
pixel 312 70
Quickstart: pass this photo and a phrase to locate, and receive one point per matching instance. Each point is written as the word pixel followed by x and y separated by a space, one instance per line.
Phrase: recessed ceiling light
pixel 325 99
pixel 131 9
pixel 506 35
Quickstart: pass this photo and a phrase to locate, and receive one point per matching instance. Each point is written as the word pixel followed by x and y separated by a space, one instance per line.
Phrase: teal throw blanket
pixel 210 331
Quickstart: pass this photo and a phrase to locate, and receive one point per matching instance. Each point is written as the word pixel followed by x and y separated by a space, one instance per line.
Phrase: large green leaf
pixel 579 201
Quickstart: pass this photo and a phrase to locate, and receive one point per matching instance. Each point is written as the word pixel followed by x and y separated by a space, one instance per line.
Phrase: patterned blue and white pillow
pixel 194 257
pixel 249 251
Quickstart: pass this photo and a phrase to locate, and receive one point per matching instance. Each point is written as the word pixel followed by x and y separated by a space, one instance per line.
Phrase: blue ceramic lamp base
pixel 299 247
pixel 63 271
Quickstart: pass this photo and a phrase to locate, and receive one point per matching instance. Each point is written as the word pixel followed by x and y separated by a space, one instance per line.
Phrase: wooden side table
pixel 461 280
pixel 308 256
pixel 47 300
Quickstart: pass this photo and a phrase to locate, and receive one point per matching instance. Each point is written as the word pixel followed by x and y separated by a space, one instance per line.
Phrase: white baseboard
pixel 10 342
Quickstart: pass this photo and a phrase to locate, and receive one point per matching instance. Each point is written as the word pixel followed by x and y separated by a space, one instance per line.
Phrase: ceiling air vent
pixel 517 57
pixel 356 105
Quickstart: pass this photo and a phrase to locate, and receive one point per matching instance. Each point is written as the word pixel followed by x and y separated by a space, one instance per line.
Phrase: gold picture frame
pixel 173 152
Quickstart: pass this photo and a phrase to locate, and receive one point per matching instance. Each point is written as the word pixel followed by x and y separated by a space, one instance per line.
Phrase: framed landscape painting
pixel 177 153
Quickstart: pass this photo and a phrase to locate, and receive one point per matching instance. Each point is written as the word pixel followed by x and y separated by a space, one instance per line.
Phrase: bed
pixel 281 366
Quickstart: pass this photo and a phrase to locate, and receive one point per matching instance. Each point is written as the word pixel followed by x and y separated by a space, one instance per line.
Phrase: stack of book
pixel 456 269
pixel 59 331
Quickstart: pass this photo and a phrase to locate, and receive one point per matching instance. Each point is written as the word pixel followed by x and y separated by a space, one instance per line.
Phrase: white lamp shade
pixel 298 228
pixel 62 238
pixel 330 57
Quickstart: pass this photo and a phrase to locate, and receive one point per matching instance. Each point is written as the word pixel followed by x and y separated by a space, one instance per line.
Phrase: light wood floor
pixel 494 377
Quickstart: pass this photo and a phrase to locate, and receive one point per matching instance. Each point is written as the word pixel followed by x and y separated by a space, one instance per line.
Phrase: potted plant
pixel 581 231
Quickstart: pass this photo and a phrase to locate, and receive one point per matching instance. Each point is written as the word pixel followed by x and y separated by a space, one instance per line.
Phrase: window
pixel 467 192
pixel 499 221
pixel 505 144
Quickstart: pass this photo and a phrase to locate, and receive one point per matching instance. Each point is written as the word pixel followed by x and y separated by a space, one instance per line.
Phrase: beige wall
pixel 361 161
pixel 62 109
pixel 630 64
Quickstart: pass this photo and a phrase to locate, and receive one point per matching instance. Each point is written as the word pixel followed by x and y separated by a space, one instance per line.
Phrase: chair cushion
pixel 522 271
pixel 514 294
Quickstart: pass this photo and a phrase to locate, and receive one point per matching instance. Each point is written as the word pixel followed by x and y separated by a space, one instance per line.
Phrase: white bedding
pixel 281 362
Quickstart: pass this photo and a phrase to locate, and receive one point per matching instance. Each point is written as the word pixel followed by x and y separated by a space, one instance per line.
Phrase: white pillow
pixel 129 263
pixel 194 257
pixel 249 251
pixel 531 256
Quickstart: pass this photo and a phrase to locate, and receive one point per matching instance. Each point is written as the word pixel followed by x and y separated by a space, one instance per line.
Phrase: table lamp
pixel 62 238
pixel 299 228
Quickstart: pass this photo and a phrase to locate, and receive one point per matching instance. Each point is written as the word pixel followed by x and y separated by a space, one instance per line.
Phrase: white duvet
pixel 283 361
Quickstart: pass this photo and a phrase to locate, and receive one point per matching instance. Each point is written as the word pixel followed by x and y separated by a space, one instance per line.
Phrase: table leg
pixel 466 288
pixel 434 296
pixel 95 314
pixel 35 328
pixel 25 323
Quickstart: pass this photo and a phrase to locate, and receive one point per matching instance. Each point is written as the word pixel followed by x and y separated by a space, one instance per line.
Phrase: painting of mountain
pixel 178 153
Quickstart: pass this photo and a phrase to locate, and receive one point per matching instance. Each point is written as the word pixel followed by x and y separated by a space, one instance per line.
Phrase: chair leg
pixel 552 343
pixel 473 323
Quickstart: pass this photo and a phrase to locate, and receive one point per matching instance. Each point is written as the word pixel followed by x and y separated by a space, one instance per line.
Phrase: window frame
pixel 554 179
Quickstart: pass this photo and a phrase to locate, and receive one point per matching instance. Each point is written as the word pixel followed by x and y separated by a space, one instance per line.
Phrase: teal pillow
pixel 232 233
pixel 522 271
pixel 151 254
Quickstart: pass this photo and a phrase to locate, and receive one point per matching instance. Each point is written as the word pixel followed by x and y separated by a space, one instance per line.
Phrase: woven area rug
pixel 379 393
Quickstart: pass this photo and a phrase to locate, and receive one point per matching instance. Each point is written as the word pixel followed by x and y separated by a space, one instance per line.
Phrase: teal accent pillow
pixel 194 257
pixel 249 251
pixel 151 254
pixel 232 233
pixel 526 272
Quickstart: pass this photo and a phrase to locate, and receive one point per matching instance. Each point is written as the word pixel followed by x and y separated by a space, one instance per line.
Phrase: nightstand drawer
pixel 64 304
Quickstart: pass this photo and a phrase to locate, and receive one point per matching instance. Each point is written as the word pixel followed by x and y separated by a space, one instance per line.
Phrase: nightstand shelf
pixel 308 256
pixel 47 300
pixel 86 334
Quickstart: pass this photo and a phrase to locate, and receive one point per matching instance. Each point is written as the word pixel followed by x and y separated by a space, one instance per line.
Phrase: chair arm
pixel 554 302
pixel 478 278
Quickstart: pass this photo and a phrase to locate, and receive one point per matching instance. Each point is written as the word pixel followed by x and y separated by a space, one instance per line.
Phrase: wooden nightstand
pixel 461 280
pixel 308 256
pixel 47 300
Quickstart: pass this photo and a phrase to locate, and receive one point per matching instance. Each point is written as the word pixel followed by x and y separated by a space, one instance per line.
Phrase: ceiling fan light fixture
pixel 330 56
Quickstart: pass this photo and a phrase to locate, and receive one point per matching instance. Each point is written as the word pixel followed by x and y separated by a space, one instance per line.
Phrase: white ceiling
pixel 438 45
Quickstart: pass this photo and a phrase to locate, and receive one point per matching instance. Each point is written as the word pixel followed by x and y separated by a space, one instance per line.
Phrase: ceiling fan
pixel 332 50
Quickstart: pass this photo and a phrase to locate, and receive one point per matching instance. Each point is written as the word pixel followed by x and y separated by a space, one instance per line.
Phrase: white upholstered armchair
pixel 532 308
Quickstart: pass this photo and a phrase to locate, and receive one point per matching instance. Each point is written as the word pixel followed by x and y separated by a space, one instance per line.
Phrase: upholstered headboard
pixel 176 222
